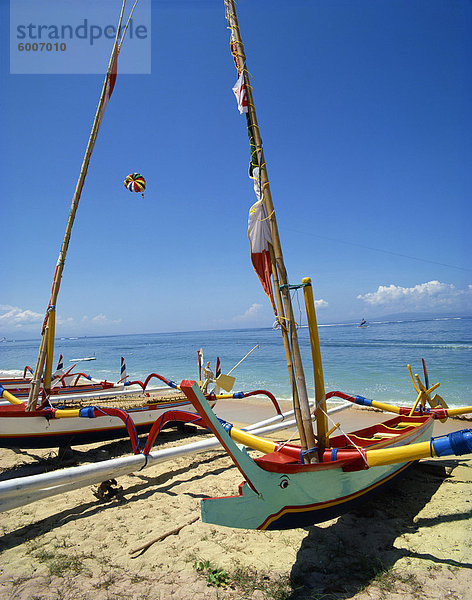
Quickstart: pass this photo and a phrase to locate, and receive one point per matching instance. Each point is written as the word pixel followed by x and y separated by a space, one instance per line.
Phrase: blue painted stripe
pixel 362 401
pixel 456 443
pixel 226 426
pixel 87 412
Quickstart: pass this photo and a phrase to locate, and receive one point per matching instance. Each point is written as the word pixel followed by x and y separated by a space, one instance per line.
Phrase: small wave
pixel 447 319
pixel 399 344
pixel 336 325
pixel 11 373
pixel 391 322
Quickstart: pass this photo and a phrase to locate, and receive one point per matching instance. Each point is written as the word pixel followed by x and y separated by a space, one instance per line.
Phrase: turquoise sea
pixel 371 362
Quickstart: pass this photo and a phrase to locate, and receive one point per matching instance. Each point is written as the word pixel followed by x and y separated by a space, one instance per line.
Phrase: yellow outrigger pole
pixel 320 394
pixel 46 348
pixel 282 293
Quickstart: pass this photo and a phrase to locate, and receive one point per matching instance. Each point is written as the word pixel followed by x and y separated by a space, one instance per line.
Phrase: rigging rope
pixel 337 426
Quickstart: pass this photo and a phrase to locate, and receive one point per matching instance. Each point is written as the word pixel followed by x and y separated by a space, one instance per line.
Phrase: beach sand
pixel 412 541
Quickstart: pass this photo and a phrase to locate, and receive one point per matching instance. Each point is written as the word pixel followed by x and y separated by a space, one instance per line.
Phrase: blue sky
pixel 365 114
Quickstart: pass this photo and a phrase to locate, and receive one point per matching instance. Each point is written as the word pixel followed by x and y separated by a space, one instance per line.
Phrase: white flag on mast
pixel 239 90
pixel 110 82
pixel 259 239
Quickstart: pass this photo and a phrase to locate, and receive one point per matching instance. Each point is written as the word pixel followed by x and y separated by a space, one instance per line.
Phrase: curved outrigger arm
pixel 439 412
pixel 457 443
pixel 292 494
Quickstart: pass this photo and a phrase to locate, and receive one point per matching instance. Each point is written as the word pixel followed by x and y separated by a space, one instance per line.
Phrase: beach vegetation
pixel 107 579
pixel 137 578
pixel 414 584
pixel 388 581
pixel 59 564
pixel 273 588
pixel 214 575
pixel 246 580
pixel 17 581
pixel 56 560
pixel 385 581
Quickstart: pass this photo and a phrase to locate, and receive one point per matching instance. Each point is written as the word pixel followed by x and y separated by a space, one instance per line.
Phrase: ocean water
pixel 371 362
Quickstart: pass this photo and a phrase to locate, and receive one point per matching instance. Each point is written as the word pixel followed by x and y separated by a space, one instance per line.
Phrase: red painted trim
pixel 347 456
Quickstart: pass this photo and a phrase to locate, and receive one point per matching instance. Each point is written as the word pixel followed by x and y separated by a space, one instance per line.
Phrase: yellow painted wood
pixel 67 413
pixel 412 379
pixel 387 407
pixel 453 412
pixel 11 398
pixel 252 441
pixel 225 381
pixel 390 456
pixel 320 412
pixel 51 327
pixel 417 401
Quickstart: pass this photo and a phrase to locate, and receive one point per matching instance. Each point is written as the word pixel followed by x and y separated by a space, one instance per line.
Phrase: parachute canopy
pixel 135 183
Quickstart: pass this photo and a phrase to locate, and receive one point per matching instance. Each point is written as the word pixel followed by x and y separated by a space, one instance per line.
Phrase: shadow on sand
pixel 145 487
pixel 340 560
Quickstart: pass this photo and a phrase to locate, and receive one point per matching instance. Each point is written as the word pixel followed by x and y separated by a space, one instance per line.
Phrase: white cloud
pixel 66 321
pixel 99 319
pixel 13 317
pixel 251 314
pixel 261 313
pixel 424 296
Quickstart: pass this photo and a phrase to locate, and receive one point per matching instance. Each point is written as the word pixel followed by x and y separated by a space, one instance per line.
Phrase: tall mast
pixel 279 273
pixel 46 348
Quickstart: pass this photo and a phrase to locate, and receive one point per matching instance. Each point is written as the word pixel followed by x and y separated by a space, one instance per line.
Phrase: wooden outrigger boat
pixel 87 418
pixel 282 490
pixel 294 486
pixel 63 382
pixel 82 411
pixel 102 415
pixel 58 407
pixel 287 485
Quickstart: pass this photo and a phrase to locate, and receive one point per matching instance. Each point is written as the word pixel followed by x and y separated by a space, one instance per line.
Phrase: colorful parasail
pixel 135 182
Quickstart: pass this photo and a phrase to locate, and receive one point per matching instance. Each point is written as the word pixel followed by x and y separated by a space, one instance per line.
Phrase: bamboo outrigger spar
pixel 285 316
pixel 43 369
pixel 32 426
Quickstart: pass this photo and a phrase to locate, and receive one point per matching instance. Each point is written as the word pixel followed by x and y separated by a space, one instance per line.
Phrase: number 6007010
pixel 42 47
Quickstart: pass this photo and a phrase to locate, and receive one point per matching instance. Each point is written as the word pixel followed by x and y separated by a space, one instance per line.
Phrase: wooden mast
pixel 320 394
pixel 282 292
pixel 46 347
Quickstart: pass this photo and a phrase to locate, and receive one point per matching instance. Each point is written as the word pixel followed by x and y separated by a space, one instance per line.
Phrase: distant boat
pixel 83 359
pixel 363 323
pixel 63 382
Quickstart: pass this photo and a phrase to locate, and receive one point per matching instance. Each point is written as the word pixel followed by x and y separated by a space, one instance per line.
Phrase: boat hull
pixel 22 429
pixel 303 495
pixel 281 492
pixel 21 389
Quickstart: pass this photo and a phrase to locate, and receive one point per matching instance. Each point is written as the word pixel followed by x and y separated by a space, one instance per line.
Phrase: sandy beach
pixel 412 541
